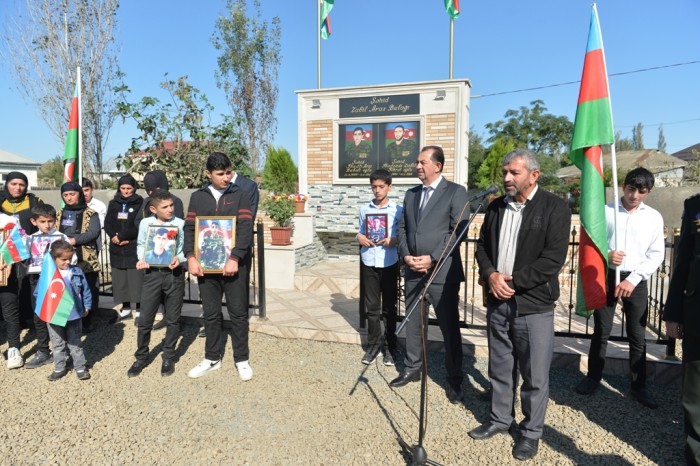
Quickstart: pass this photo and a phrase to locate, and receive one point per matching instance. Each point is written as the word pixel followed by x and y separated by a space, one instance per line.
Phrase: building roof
pixel 651 159
pixel 10 158
pixel 689 153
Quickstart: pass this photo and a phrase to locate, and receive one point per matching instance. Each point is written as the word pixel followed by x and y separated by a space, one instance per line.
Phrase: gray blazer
pixel 431 234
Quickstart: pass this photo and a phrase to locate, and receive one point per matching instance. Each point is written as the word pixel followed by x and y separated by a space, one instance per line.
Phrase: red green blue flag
pixel 54 297
pixel 593 128
pixel 71 157
pixel 326 7
pixel 13 249
pixel 452 8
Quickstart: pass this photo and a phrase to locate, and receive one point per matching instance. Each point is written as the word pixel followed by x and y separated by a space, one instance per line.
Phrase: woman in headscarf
pixel 16 202
pixel 82 226
pixel 121 226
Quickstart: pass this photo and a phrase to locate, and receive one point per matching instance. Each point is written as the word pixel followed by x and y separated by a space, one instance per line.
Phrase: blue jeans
pixel 67 336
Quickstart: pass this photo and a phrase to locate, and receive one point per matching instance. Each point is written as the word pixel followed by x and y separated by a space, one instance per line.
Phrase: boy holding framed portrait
pixel 159 249
pixel 380 268
pixel 229 203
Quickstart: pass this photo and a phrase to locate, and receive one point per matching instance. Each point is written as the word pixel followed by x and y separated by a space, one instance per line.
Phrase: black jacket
pixel 24 215
pixel 542 243
pixel 123 257
pixel 234 202
pixel 683 299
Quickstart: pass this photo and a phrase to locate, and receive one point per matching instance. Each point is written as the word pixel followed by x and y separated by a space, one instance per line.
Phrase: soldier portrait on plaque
pixel 357 160
pixel 401 148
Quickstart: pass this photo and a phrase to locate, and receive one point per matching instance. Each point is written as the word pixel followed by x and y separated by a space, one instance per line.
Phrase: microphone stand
pixel 420 456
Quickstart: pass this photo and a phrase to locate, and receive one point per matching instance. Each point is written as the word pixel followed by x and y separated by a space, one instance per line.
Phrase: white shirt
pixel 99 207
pixel 641 236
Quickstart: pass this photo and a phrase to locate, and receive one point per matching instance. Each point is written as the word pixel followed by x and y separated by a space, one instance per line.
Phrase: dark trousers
pixel 444 297
pixel 211 289
pixel 691 398
pixel 9 302
pixel 41 327
pixel 528 341
pixel 93 281
pixel 167 286
pixel 635 310
pixel 381 293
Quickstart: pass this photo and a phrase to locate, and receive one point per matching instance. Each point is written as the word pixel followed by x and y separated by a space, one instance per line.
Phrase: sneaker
pixel 83 375
pixel 40 359
pixel 371 355
pixel 245 372
pixel 55 375
pixel 388 358
pixel 14 358
pixel 124 314
pixel 203 367
pixel 202 333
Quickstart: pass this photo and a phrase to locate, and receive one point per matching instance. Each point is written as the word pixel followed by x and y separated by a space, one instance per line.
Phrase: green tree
pixel 248 64
pixel 44 43
pixel 638 137
pixel 280 174
pixel 622 144
pixel 661 145
pixel 489 171
pixel 52 170
pixel 534 129
pixel 176 136
pixel 477 154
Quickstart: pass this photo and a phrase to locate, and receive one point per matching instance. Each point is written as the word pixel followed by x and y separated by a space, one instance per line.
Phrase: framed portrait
pixel 376 227
pixel 38 248
pixel 161 245
pixel 5 272
pixel 214 239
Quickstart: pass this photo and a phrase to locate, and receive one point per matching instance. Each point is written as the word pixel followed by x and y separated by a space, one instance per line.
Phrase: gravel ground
pixel 308 403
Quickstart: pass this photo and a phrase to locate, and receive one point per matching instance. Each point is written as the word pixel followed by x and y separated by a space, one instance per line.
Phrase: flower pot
pixel 281 236
pixel 299 207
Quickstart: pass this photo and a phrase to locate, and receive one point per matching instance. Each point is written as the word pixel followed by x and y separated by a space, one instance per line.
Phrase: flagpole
pixel 452 36
pixel 318 44
pixel 80 130
pixel 613 153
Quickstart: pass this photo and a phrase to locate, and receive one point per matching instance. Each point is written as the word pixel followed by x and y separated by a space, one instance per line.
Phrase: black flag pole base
pixel 418 454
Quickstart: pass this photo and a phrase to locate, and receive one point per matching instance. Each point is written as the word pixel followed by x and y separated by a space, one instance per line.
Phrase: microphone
pixel 493 189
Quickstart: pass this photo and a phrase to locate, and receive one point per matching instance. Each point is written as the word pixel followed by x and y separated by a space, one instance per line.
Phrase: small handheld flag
pixel 54 297
pixel 13 249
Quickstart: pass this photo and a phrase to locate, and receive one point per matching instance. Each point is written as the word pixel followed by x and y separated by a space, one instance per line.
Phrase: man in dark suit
pixel 682 316
pixel 521 250
pixel 432 211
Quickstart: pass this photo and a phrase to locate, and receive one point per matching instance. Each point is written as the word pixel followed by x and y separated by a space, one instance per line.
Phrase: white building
pixel 11 162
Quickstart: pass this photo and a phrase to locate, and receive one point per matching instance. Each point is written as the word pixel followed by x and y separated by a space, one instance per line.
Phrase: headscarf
pixel 73 186
pixel 156 179
pixel 13 176
pixel 130 180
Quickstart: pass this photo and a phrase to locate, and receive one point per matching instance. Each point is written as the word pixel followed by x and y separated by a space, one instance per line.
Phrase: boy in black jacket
pixel 222 199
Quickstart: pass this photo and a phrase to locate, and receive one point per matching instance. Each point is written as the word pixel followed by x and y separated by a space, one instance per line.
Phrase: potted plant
pixel 280 209
pixel 299 202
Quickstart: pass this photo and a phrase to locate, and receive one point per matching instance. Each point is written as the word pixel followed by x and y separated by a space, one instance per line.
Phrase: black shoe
pixel 136 368
pixel 486 430
pixel 168 368
pixel 454 395
pixel 525 448
pixel 55 375
pixel 388 359
pixel 371 355
pixel 83 375
pixel 40 359
pixel 405 378
pixel 588 386
pixel 160 324
pixel 644 397
pixel 202 333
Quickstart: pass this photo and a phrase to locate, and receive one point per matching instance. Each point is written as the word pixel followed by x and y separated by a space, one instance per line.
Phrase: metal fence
pixel 567 323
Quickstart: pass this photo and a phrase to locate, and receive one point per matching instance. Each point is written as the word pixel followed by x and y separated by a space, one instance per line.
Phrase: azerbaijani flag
pixel 326 7
pixel 54 297
pixel 452 8
pixel 71 156
pixel 13 249
pixel 593 127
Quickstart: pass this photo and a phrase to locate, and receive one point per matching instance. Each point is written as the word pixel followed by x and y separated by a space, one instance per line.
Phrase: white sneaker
pixel 245 372
pixel 203 367
pixel 14 358
pixel 124 313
